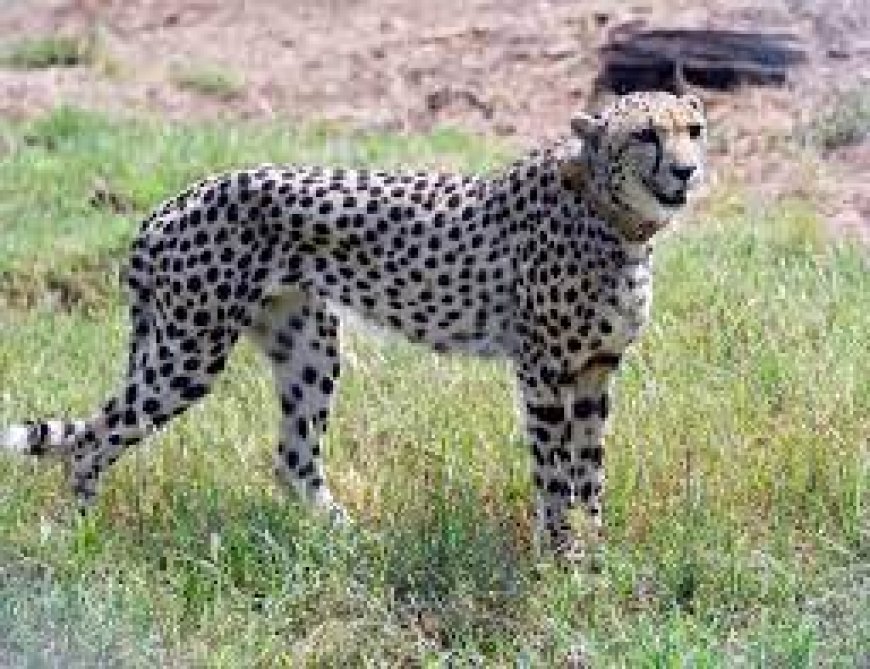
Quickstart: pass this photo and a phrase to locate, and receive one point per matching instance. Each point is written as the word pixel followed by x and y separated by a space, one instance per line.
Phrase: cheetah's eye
pixel 694 130
pixel 647 136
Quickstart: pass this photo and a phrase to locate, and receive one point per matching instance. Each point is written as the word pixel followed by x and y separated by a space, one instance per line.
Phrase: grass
pixel 39 53
pixel 55 166
pixel 738 463
pixel 209 80
pixel 846 122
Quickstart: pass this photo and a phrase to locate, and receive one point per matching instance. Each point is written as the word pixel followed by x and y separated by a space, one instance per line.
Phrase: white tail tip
pixel 15 438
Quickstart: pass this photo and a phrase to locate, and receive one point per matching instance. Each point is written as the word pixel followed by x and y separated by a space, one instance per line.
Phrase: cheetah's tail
pixel 43 438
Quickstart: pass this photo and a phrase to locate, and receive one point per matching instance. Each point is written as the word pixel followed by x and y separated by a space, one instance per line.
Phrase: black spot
pixel 587 407
pixel 551 414
pixel 216 367
pixel 287 406
pixel 594 454
pixel 179 383
pixel 151 406
pixel 130 418
pixel 540 434
pixel 291 457
pixel 309 375
pixel 194 392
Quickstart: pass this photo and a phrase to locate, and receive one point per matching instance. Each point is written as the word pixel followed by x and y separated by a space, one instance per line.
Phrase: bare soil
pixel 512 68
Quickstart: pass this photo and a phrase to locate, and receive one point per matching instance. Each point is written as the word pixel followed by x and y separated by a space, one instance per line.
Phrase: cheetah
pixel 546 263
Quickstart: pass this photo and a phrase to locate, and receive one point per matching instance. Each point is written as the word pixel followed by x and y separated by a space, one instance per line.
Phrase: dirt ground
pixel 512 68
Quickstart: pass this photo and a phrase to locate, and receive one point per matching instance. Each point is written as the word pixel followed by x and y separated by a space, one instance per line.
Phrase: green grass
pixel 56 164
pixel 49 51
pixel 209 80
pixel 736 515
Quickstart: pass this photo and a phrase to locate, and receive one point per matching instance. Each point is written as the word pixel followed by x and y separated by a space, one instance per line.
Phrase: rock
pixel 636 59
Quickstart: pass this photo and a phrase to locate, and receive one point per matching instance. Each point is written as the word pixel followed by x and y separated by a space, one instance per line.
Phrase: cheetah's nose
pixel 682 172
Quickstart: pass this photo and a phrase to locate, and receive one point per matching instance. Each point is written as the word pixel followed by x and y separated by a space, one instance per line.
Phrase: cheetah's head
pixel 642 158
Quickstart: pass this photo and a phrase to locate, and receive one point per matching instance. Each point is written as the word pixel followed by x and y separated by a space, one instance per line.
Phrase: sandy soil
pixel 514 68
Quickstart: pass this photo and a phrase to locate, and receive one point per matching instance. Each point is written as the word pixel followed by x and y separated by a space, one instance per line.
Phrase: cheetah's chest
pixel 627 309
pixel 610 318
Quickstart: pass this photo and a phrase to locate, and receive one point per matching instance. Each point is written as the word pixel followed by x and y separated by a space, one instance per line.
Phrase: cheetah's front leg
pixel 589 411
pixel 565 426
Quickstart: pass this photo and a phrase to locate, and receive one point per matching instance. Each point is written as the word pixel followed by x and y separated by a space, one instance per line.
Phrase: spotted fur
pixel 546 263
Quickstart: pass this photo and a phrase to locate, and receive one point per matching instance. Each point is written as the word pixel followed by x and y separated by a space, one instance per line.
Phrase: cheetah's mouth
pixel 676 199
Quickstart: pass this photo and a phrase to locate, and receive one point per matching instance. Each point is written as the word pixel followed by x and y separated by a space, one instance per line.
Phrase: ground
pixel 502 67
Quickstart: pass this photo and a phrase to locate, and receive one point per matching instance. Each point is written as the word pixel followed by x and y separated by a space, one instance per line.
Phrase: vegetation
pixel 212 81
pixel 737 521
pixel 846 122
pixel 49 51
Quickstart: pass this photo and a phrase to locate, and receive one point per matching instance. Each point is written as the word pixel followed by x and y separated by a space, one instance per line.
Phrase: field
pixel 738 466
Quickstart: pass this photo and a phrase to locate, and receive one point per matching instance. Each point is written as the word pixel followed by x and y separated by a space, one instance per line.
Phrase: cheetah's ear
pixel 587 126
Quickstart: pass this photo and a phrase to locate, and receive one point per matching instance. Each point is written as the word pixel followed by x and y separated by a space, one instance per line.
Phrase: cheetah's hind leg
pixel 299 335
pixel 168 371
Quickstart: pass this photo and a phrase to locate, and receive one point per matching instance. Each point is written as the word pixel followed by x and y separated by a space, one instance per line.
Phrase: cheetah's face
pixel 646 156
